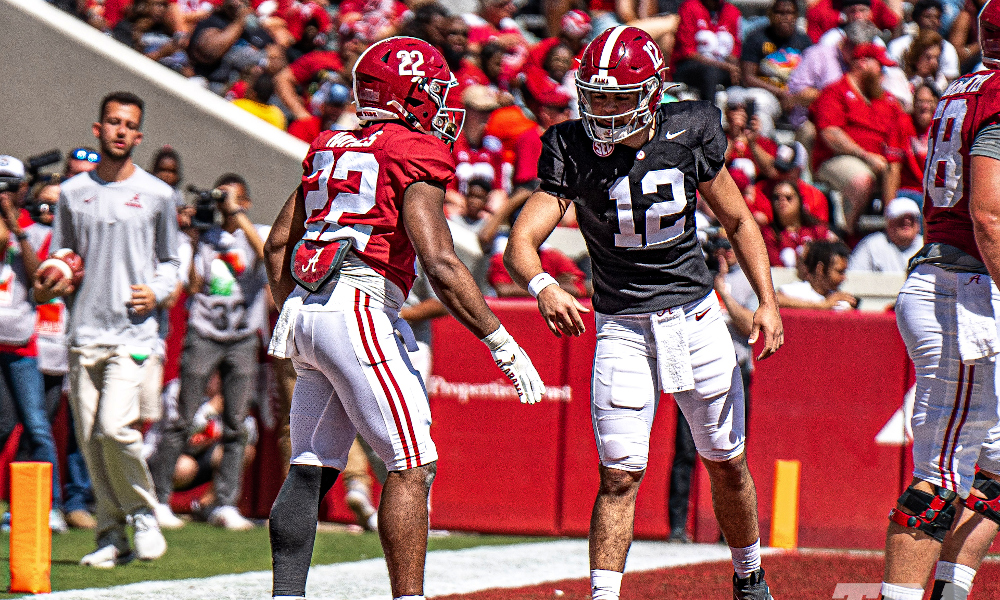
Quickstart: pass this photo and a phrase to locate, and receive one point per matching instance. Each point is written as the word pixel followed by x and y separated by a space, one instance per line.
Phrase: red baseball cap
pixel 875 51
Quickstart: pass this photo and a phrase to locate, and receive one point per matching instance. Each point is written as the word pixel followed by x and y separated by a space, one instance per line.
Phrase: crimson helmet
pixel 406 78
pixel 989 34
pixel 621 60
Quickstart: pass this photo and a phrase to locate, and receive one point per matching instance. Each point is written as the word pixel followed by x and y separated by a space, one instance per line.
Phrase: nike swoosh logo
pixel 699 316
pixel 672 134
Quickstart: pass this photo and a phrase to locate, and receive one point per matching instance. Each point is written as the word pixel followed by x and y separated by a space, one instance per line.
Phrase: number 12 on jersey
pixel 332 174
pixel 655 234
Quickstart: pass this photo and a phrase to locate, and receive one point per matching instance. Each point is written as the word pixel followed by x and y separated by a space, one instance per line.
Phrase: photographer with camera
pixel 226 281
pixel 20 240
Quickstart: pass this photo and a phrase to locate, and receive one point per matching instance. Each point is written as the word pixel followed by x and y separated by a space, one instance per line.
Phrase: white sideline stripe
pixel 447 572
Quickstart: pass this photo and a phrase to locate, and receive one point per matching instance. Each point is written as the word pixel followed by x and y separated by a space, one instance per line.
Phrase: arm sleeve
pixel 165 280
pixel 987 142
pixel 712 157
pixel 552 168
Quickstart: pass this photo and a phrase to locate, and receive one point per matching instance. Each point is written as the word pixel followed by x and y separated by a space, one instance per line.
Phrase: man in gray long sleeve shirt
pixel 123 224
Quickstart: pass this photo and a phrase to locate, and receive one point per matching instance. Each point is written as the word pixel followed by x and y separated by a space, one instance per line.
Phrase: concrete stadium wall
pixel 57 69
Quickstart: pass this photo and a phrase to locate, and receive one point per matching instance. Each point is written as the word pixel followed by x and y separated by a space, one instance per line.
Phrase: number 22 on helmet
pixel 622 60
pixel 403 78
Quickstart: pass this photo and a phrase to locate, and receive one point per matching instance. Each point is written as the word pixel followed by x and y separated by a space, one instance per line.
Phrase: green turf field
pixel 200 550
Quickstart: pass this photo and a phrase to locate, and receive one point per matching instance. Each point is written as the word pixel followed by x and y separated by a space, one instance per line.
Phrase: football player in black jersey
pixel 633 168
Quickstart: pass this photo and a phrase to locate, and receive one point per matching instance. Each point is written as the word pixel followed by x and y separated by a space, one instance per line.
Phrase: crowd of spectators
pixel 832 97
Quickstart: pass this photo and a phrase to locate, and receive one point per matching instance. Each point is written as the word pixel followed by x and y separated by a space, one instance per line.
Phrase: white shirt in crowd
pixel 876 253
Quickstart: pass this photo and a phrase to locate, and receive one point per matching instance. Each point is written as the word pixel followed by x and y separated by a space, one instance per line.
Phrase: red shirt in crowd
pixel 554 263
pixel 788 239
pixel 716 35
pixel 813 200
pixel 311 63
pixel 914 156
pixel 825 15
pixel 485 162
pixel 467 74
pixel 740 152
pixel 873 125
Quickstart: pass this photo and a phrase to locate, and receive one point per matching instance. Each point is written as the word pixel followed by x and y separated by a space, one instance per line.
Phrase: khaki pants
pixel 104 392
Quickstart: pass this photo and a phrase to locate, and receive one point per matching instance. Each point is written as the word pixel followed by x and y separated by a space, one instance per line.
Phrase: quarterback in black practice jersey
pixel 633 168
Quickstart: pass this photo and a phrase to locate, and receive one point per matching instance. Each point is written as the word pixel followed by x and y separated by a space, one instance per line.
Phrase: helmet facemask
pixel 622 125
pixel 447 122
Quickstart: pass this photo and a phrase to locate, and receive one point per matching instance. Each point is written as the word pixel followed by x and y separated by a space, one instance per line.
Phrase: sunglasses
pixel 84 154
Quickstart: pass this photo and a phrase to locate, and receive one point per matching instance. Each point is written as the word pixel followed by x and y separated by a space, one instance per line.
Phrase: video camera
pixel 31 167
pixel 206 207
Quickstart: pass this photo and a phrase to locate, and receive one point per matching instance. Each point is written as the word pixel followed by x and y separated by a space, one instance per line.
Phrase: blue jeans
pixel 24 381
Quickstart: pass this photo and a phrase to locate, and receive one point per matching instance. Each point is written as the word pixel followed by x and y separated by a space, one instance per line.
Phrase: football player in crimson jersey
pixel 946 315
pixel 341 262
pixel 633 167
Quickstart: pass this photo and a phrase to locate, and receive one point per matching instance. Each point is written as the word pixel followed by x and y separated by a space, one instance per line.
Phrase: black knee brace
pixel 990 506
pixel 293 526
pixel 932 513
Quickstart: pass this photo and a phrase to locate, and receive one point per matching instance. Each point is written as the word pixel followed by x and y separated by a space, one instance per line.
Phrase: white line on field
pixel 448 572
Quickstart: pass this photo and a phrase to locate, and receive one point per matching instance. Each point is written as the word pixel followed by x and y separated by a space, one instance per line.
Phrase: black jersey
pixel 636 207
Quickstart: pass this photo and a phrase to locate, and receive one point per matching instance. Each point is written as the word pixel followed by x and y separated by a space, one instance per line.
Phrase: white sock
pixel 960 575
pixel 746 560
pixel 898 592
pixel 605 585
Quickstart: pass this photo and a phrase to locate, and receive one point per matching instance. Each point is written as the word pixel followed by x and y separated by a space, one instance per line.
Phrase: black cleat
pixel 752 588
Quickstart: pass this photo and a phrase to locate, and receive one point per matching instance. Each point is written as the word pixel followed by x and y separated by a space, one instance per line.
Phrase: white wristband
pixel 496 339
pixel 540 282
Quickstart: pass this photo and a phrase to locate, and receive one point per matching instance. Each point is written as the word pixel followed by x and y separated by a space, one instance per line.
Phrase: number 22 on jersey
pixel 621 193
pixel 331 174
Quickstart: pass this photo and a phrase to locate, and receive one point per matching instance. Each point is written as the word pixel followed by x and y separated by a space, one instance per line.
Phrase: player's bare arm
pixel 726 201
pixel 985 210
pixel 288 229
pixel 541 213
pixel 423 217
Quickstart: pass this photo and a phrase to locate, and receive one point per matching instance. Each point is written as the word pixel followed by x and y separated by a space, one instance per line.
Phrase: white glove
pixel 516 365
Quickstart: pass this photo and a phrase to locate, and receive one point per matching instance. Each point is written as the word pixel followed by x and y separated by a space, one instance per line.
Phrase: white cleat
pixel 229 518
pixel 166 518
pixel 149 541
pixel 107 557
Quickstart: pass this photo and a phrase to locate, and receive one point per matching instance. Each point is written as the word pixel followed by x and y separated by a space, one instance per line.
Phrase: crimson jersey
pixel 968 105
pixel 354 181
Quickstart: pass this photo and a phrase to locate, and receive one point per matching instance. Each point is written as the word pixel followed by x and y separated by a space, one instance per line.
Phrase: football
pixel 62 264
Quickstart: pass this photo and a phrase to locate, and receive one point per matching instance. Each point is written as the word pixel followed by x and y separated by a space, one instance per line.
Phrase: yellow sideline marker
pixel 785 515
pixel 30 537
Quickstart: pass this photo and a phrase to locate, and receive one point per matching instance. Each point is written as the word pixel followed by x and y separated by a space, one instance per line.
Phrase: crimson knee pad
pixel 990 506
pixel 932 513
